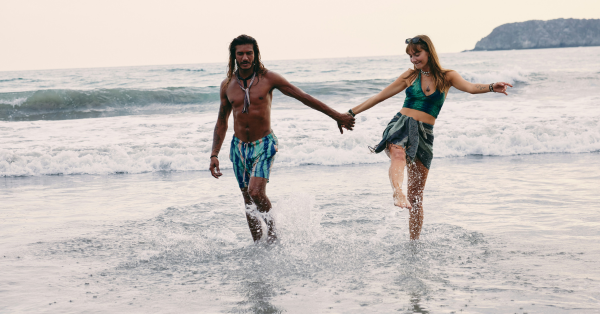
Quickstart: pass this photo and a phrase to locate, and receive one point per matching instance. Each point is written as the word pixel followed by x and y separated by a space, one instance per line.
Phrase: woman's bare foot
pixel 400 200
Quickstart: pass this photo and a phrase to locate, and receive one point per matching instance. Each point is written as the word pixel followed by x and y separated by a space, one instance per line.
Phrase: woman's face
pixel 419 59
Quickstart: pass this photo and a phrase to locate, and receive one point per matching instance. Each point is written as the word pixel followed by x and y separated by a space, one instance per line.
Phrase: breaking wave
pixel 69 104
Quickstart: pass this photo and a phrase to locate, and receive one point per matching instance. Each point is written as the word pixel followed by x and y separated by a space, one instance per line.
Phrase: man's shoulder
pixel 273 78
pixel 225 82
pixel 270 75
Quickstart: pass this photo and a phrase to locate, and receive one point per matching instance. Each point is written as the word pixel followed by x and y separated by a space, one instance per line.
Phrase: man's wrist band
pixel 492 87
pixel 214 156
pixel 351 113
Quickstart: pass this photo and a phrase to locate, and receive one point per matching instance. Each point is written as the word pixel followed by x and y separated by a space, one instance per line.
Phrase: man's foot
pixel 272 238
pixel 400 200
pixel 267 227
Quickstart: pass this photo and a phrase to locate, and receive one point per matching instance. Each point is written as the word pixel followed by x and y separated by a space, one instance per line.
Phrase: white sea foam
pixel 183 142
pixel 505 75
pixel 553 108
pixel 17 101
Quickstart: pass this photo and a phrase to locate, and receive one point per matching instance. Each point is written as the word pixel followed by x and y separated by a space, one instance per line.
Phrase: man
pixel 248 92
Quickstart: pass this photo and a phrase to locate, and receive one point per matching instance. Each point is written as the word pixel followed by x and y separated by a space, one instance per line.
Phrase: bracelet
pixel 214 156
pixel 492 87
pixel 351 113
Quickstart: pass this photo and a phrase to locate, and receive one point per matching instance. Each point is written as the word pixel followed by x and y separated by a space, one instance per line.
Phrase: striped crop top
pixel 416 99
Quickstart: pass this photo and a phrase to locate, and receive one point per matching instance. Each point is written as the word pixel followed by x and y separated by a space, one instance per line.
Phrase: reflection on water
pixel 257 298
pixel 335 255
pixel 415 302
pixel 412 275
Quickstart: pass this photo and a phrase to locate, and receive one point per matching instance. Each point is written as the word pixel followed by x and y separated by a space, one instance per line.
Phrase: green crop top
pixel 416 99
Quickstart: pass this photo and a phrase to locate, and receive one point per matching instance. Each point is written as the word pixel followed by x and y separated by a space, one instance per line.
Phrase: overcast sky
pixel 50 34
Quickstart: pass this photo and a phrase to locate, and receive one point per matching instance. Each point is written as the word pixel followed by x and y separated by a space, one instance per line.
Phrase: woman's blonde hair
pixel 438 73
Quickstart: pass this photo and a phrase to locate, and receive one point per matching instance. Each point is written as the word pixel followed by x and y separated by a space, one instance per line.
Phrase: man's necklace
pixel 245 89
pixel 240 78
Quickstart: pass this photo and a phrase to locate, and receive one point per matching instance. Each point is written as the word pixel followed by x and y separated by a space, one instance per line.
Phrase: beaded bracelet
pixel 492 87
pixel 214 156
pixel 351 113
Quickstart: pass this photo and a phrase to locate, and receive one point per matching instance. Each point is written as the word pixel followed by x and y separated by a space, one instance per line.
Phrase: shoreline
pixel 495 229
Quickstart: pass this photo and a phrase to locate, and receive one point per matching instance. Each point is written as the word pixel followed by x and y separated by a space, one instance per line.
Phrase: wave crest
pixel 65 103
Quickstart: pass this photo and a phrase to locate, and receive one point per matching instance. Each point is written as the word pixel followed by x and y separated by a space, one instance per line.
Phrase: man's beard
pixel 238 64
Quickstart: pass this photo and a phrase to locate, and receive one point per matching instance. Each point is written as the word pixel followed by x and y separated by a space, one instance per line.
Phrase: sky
pixel 56 34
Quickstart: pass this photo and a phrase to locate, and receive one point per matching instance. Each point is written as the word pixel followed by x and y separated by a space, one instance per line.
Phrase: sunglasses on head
pixel 414 40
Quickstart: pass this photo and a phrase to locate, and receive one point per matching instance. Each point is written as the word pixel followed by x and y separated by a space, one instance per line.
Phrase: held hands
pixel 346 121
pixel 214 164
pixel 500 87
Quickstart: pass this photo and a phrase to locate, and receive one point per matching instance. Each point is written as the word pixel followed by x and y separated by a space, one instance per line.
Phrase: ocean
pixel 108 204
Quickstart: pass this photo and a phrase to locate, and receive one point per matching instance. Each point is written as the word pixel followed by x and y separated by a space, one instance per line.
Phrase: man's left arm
pixel 288 89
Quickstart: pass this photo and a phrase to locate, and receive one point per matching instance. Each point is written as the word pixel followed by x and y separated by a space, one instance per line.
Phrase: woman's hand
pixel 348 125
pixel 500 87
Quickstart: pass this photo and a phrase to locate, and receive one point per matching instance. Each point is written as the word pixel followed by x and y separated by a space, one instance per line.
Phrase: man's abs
pixel 252 126
pixel 256 123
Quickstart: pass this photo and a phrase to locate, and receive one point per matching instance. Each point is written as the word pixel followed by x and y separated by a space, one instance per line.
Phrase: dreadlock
pixel 259 68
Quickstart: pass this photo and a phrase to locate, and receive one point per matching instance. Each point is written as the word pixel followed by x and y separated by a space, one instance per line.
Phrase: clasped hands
pixel 345 121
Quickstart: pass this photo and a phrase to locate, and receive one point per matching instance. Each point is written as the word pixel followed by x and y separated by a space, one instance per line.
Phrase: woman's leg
pixel 398 157
pixel 417 176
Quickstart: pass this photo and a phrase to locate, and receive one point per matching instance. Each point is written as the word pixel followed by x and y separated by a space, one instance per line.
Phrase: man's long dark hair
pixel 259 68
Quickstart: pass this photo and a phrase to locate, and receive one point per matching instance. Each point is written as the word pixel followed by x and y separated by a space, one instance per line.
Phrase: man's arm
pixel 288 89
pixel 220 131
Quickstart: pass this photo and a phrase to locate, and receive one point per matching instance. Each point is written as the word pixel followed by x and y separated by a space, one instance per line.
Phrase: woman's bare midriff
pixel 418 115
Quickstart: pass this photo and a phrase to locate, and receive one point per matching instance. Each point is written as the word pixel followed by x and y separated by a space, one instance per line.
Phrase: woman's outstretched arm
pixel 461 84
pixel 396 87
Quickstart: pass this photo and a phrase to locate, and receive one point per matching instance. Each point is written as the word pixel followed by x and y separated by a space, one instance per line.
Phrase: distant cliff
pixel 542 34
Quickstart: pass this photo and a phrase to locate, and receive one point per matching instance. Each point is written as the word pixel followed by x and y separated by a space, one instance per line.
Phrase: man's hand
pixel 346 121
pixel 214 164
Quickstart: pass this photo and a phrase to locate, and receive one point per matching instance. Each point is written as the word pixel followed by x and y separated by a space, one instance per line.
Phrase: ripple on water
pixel 360 264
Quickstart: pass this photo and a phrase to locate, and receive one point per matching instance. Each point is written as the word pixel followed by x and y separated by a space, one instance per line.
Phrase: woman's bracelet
pixel 214 156
pixel 351 113
pixel 492 87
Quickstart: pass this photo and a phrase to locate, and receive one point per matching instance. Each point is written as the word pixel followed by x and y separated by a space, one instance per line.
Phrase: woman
pixel 410 133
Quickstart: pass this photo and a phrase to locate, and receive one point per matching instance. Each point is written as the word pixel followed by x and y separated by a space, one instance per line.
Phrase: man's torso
pixel 256 123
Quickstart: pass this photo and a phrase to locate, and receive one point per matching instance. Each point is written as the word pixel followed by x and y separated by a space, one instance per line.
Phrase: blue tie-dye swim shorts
pixel 252 159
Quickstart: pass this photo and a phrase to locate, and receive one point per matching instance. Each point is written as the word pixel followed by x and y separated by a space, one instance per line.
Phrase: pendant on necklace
pixel 427 89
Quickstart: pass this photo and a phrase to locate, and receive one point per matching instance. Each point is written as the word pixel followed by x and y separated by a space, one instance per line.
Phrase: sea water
pixel 107 204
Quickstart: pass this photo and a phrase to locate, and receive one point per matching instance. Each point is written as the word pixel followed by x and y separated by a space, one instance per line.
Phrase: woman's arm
pixel 461 84
pixel 396 87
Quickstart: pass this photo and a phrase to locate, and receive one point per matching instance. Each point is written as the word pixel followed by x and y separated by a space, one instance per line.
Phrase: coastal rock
pixel 542 34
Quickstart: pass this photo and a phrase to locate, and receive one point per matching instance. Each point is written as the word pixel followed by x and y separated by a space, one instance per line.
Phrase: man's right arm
pixel 220 131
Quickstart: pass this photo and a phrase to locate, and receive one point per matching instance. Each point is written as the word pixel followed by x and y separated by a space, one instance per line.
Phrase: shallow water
pixel 513 234
pixel 107 205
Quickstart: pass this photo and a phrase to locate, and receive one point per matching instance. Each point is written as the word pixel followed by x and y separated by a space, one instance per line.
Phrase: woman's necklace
pixel 427 74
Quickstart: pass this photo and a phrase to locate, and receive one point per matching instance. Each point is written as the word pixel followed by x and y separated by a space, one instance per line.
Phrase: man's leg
pixel 417 177
pixel 257 191
pixel 253 221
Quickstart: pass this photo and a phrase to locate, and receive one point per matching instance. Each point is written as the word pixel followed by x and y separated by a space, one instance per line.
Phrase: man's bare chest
pixel 259 93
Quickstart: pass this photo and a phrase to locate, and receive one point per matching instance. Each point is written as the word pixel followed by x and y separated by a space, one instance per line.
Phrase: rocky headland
pixel 537 34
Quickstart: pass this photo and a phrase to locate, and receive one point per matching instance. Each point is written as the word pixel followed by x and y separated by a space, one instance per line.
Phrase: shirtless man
pixel 248 92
